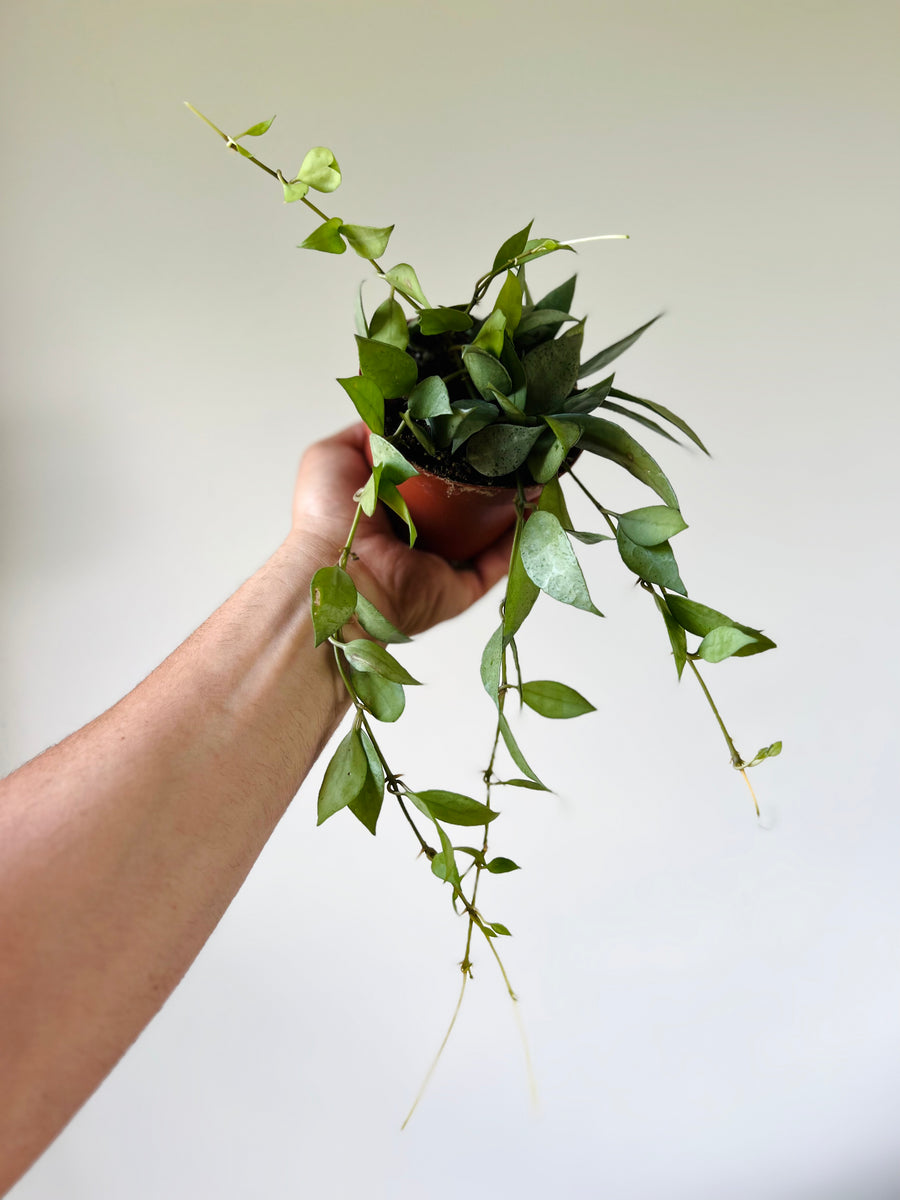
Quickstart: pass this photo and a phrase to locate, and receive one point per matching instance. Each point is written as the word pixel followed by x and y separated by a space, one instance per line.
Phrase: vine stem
pixel 736 760
pixel 596 503
pixel 437 1057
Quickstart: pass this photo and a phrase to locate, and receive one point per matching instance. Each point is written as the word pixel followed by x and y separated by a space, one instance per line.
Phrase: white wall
pixel 712 1006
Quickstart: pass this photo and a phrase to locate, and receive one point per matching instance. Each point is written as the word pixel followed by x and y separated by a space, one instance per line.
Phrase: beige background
pixel 712 1006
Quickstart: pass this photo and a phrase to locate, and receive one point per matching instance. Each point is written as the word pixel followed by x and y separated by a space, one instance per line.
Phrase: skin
pixel 121 847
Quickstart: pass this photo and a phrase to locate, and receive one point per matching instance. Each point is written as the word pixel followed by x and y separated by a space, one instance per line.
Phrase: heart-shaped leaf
pixel 327 238
pixel 391 368
pixel 389 325
pixel 320 170
pixel 405 280
pixel 367 240
pixel 367 399
pixel 430 398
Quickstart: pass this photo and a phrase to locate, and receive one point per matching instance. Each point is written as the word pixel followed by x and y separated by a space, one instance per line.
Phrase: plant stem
pixel 345 553
pixel 437 1057
pixel 736 760
pixel 604 512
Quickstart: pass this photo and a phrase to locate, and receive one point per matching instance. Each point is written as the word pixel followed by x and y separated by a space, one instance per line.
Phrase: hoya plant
pixel 494 391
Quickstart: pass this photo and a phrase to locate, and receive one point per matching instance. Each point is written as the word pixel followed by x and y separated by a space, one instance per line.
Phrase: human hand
pixel 413 588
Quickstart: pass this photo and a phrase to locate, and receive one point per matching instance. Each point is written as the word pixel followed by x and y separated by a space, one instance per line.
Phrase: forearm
pixel 121 848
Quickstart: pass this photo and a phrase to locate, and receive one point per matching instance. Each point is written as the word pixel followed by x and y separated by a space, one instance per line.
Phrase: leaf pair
pixel 353 779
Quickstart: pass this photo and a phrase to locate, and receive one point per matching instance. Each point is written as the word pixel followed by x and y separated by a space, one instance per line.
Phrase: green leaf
pixel 588 539
pixel 392 498
pixel 552 699
pixel 486 371
pixel 367 399
pixel 677 640
pixel 405 280
pixel 606 356
pixel 384 699
pixel 700 620
pixel 444 862
pixel 394 467
pixel 369 656
pixel 540 325
pixel 502 866
pixel 511 248
pixel 295 190
pixel 392 369
pixel 553 501
pixel 327 238
pixel 766 752
pixel 510 409
pixel 359 314
pixel 368 241
pixel 499 449
pixel 477 855
pixel 367 805
pixel 320 170
pixel 509 301
pixel 590 398
pixel 477 414
pixel 722 643
pixel 521 594
pixel 653 525
pixel 375 623
pixel 559 298
pixel 389 325
pixel 656 564
pixel 520 783
pixel 491 660
pixel 345 777
pixel 551 563
pixel 665 413
pixel 452 807
pixel 549 453
pixel 611 441
pixel 333 596
pixel 552 370
pixel 501 929
pixel 538 247
pixel 444 320
pixel 430 398
pixel 490 335
pixel 609 406
pixel 256 130
pixel 516 754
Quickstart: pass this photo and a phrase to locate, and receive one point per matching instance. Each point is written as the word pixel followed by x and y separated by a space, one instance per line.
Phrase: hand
pixel 414 589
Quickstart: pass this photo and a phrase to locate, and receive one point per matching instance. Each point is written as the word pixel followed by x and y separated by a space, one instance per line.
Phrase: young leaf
pixel 766 752
pixel 520 783
pixel 499 449
pixel 552 370
pixel 453 808
pixel 366 240
pixel 367 805
pixel 367 399
pixel 444 320
pixel 384 699
pixel 677 640
pixel 511 248
pixel 652 525
pixel 444 862
pixel 611 441
pixel 516 754
pixel 374 623
pixel 722 643
pixel 326 237
pixel 392 369
pixel 405 280
pixel 333 596
pixel 509 302
pixel 501 929
pixel 344 778
pixel 369 656
pixel 665 413
pixel 502 866
pixel 606 356
pixel 320 170
pixel 656 564
pixel 394 467
pixel 430 398
pixel 551 563
pixel 490 335
pixel 552 699
pixel 256 130
pixel 295 190
pixel 389 325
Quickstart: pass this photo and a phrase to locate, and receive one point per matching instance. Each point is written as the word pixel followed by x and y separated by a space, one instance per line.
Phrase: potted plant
pixel 477 412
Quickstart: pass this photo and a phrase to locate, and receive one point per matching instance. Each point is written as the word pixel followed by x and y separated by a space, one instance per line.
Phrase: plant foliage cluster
pixel 490 390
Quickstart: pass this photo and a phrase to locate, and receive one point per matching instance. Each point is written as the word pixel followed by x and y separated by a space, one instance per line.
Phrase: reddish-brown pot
pixel 458 520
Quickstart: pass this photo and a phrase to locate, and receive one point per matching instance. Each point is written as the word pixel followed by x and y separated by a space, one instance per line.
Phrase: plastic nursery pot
pixel 458 520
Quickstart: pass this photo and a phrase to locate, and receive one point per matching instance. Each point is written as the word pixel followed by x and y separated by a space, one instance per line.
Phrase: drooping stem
pixel 604 512
pixel 437 1057
pixel 736 759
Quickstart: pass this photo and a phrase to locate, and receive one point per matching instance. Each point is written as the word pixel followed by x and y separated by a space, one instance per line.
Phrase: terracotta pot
pixel 458 520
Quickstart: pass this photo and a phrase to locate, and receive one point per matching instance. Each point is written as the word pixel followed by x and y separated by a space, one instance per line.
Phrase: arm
pixel 121 847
